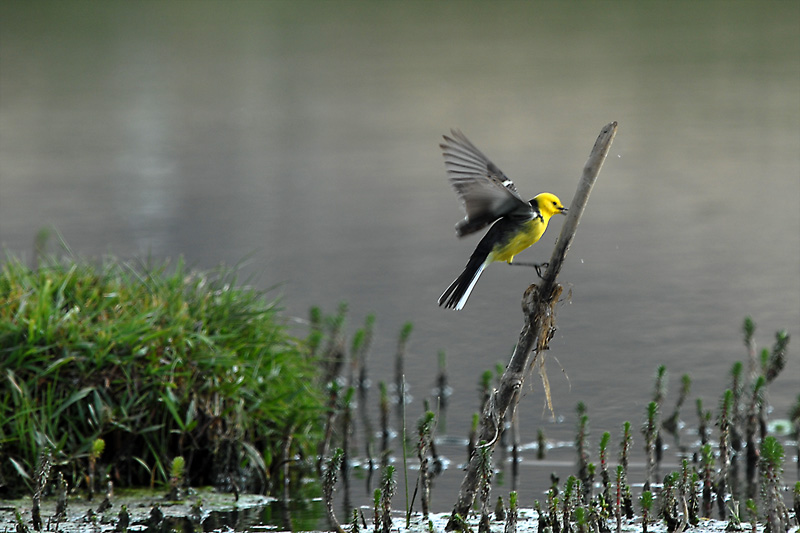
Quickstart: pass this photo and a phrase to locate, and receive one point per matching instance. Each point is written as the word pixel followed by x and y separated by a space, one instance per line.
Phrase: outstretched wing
pixel 487 193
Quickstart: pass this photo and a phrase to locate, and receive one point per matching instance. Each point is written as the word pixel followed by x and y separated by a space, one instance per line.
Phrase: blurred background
pixel 300 140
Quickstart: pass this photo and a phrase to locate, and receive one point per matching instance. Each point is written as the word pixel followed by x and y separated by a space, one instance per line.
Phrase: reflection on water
pixel 303 137
pixel 297 515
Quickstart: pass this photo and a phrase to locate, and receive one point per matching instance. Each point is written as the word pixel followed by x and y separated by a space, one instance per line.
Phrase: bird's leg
pixel 537 266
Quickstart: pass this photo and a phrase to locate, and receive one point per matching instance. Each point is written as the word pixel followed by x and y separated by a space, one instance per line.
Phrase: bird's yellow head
pixel 548 204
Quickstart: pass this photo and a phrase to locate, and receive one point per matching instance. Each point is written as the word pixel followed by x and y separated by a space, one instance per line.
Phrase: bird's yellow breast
pixel 529 233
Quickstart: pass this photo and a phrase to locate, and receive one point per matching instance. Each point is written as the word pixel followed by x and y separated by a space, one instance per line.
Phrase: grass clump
pixel 156 361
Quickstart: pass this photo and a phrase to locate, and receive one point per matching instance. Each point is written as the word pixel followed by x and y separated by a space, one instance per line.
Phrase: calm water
pixel 301 138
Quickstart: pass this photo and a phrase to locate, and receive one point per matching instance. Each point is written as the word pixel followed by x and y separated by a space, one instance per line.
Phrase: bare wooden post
pixel 538 307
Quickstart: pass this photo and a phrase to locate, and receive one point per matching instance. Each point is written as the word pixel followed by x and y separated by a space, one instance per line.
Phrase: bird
pixel 490 197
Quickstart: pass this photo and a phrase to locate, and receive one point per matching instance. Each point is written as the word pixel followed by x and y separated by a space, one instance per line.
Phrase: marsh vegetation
pixel 118 375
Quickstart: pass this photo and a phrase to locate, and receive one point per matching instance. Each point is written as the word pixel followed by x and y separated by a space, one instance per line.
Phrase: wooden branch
pixel 538 307
pixel 578 204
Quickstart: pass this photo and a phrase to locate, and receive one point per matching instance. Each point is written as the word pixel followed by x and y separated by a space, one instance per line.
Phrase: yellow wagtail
pixel 490 197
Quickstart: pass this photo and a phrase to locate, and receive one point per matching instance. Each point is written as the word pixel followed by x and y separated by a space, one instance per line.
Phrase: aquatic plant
pixel 771 467
pixel 399 363
pixel 707 469
pixel 724 424
pixel 650 432
pixel 425 427
pixel 581 447
pixel 330 475
pixel 177 474
pixel 157 361
pixel 387 490
pixel 512 516
pixel 485 472
pixel 98 446
pixel 624 498
pixel 646 503
pixel 604 475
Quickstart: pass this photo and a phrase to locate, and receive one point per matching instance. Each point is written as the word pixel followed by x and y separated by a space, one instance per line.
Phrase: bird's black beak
pixel 563 210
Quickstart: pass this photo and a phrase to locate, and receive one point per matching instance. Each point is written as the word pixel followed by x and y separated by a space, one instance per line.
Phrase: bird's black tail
pixel 457 294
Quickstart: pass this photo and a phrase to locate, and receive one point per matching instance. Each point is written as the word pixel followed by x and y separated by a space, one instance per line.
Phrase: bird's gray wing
pixel 487 193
